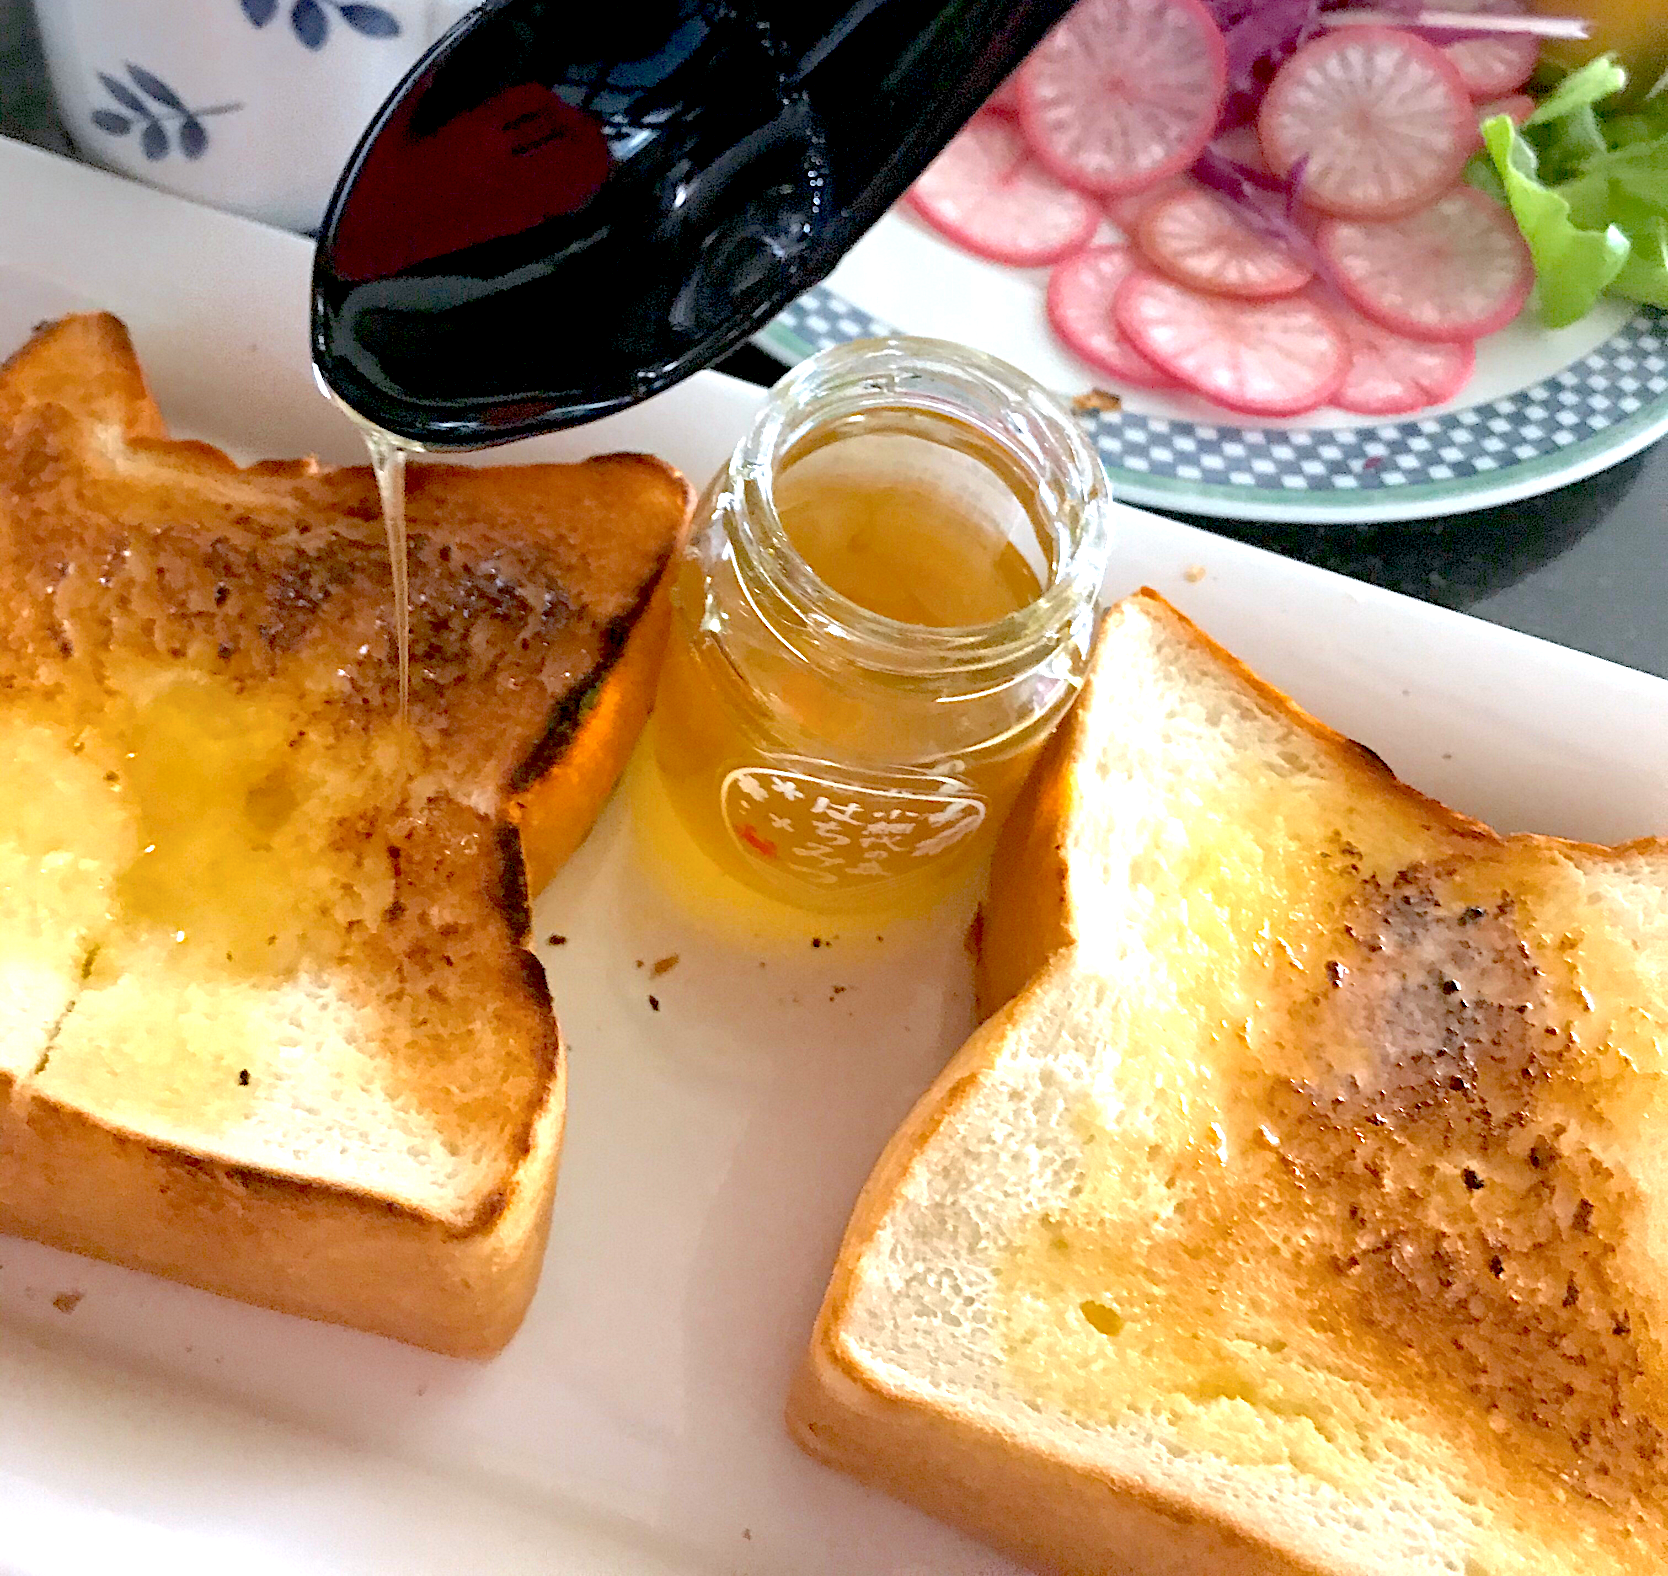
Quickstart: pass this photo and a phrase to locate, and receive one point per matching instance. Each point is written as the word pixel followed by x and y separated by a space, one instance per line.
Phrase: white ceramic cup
pixel 251 105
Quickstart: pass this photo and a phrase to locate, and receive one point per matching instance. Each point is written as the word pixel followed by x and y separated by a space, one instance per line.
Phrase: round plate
pixel 1545 407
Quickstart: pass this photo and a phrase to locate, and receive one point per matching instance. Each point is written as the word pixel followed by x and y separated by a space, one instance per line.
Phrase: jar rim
pixel 1027 422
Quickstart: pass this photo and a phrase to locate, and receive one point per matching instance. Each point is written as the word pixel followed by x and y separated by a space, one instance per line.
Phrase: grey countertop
pixel 1586 566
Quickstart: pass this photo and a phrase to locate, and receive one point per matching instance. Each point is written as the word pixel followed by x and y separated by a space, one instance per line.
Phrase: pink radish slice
pixel 1195 239
pixel 1005 100
pixel 1124 92
pixel 1390 376
pixel 986 193
pixel 1261 358
pixel 1456 270
pixel 1491 67
pixel 1518 105
pixel 1080 292
pixel 1381 117
pixel 1126 211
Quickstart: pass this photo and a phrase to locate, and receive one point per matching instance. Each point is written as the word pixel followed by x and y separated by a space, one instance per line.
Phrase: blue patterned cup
pixel 251 105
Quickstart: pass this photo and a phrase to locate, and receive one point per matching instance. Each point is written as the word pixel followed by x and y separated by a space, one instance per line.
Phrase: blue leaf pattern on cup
pixel 310 19
pixel 371 20
pixel 154 140
pixel 311 24
pixel 123 94
pixel 154 87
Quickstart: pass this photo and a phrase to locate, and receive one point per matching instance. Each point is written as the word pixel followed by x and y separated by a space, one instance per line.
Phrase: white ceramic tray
pixel 714 1147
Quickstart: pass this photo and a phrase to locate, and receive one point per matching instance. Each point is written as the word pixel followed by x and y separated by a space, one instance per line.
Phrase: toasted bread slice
pixel 1301 1213
pixel 268 1022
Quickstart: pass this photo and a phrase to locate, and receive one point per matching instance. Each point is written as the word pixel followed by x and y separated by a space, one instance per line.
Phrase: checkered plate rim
pixel 1590 414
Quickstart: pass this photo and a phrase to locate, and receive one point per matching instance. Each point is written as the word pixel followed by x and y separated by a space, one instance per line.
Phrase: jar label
pixel 839 833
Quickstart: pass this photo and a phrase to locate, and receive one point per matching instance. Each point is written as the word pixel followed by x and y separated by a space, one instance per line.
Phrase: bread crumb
pixel 68 1301
pixel 554 940
pixel 654 1002
pixel 243 1078
pixel 747 1532
pixel 664 965
pixel 638 964
pixel 1097 399
pixel 1193 574
pixel 816 941
pixel 839 990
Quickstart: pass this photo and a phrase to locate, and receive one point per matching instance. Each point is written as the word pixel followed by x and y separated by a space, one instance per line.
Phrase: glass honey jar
pixel 886 607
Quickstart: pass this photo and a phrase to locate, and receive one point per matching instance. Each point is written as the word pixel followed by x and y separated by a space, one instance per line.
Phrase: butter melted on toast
pixel 1388 1083
pixel 1305 1212
pixel 251 914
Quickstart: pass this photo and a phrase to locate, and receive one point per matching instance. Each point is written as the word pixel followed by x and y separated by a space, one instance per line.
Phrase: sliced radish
pixel 1518 105
pixel 1080 292
pixel 1456 270
pixel 1490 67
pixel 1005 100
pixel 1126 211
pixel 985 192
pixel 1261 358
pixel 1390 375
pixel 1493 66
pixel 1124 92
pixel 1381 118
pixel 1197 240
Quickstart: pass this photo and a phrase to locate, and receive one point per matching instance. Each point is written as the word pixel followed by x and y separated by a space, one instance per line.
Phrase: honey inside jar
pixel 874 632
pixel 911 529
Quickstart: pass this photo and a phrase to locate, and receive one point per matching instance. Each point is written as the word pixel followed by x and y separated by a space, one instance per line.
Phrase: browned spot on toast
pixel 1466 1216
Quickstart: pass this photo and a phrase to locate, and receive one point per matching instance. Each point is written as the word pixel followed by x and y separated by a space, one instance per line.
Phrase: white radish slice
pixel 1390 375
pixel 1492 67
pixel 1124 92
pixel 1197 240
pixel 1126 211
pixel 1261 358
pixel 986 193
pixel 1380 118
pixel 1518 105
pixel 1456 270
pixel 1080 292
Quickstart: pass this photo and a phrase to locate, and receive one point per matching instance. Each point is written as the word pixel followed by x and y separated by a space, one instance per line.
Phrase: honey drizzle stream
pixel 388 466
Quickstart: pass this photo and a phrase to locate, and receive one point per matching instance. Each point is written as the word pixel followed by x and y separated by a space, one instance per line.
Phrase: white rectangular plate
pixel 714 1145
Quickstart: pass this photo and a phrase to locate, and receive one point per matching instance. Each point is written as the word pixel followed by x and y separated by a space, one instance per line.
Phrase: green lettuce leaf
pixel 1582 89
pixel 1574 265
pixel 1589 190
pixel 1644 277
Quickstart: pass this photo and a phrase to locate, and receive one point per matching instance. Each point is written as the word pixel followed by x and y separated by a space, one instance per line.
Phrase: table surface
pixel 1586 566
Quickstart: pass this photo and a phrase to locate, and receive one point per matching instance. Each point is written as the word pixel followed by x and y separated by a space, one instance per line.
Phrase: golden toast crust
pixel 537 624
pixel 887 1425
